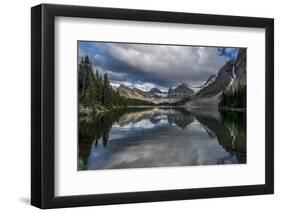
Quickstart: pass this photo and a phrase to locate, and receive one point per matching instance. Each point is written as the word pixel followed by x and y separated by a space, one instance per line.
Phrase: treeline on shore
pixel 95 90
pixel 234 97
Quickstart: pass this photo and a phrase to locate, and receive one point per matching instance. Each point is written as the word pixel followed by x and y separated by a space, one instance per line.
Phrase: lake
pixel 142 137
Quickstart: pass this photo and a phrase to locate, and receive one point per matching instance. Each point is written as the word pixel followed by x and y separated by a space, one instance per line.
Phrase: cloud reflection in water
pixel 160 138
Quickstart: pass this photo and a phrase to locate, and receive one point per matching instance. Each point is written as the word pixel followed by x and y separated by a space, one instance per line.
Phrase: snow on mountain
pixel 233 76
pixel 209 81
pixel 219 83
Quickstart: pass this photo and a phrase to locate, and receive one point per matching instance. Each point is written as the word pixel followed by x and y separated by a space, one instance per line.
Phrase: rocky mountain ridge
pixel 230 75
pixel 180 92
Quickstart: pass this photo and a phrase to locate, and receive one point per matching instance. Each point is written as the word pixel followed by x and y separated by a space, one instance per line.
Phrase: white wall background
pixel 15 105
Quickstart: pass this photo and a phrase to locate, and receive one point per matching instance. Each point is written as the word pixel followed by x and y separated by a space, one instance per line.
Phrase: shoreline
pixel 100 110
pixel 232 109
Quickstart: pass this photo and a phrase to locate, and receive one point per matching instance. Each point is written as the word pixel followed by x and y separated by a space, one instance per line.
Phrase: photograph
pixel 160 105
pixel 169 104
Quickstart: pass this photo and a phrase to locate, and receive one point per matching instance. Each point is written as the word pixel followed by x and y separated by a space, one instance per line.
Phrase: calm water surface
pixel 161 136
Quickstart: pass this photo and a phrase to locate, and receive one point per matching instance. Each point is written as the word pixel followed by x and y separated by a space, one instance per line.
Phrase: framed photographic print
pixel 139 106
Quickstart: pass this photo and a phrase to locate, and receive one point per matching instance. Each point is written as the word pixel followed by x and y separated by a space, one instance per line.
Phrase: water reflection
pixel 162 136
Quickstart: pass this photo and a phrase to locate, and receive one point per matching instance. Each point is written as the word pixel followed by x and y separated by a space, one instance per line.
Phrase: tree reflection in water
pixel 229 128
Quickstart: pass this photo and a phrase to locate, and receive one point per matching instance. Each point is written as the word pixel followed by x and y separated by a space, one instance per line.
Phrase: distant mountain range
pixel 233 72
pixel 154 95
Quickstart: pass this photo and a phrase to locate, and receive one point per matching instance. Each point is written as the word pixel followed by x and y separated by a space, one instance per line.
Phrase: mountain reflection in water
pixel 160 137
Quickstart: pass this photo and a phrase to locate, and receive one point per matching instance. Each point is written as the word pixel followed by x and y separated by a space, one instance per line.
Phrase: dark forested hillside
pixel 234 97
pixel 95 90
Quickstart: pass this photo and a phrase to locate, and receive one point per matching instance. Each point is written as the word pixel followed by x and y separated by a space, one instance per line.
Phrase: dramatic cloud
pixel 146 66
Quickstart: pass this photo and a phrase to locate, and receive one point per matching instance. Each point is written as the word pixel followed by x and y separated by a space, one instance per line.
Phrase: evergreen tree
pixel 98 86
pixel 87 61
pixel 234 97
pixel 90 94
pixel 106 92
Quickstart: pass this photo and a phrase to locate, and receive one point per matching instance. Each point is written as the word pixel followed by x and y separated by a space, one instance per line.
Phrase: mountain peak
pixel 181 91
pixel 123 86
pixel 210 80
pixel 185 84
pixel 155 90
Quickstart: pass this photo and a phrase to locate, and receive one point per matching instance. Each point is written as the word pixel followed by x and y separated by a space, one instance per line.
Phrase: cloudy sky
pixel 147 66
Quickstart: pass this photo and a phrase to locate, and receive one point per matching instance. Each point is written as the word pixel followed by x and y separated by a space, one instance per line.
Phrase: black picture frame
pixel 43 102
